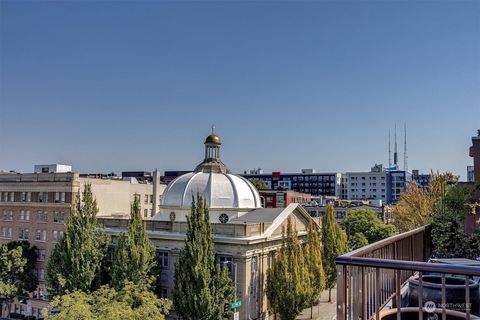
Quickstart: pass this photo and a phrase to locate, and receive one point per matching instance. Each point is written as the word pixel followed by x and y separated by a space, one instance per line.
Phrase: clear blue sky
pixel 117 85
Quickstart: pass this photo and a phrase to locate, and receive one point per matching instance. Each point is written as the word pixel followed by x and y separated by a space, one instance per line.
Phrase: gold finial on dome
pixel 213 138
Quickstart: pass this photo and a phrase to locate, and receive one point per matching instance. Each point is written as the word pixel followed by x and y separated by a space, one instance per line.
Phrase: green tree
pixel 448 233
pixel 76 260
pixel 17 271
pixel 363 224
pixel 135 254
pixel 202 287
pixel 132 302
pixel 259 184
pixel 334 244
pixel 11 262
pixel 313 262
pixel 288 280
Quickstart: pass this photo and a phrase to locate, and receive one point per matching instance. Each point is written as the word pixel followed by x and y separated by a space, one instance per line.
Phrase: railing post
pixel 377 294
pixel 420 295
pixel 364 295
pixel 444 302
pixel 341 291
pixel 467 297
pixel 398 297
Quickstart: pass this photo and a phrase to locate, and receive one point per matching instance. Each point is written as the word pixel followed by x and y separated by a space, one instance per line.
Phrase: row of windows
pixel 9 196
pixel 42 216
pixel 369 178
pixel 372 184
pixel 24 234
pixel 299 178
pixel 147 198
pixel 364 190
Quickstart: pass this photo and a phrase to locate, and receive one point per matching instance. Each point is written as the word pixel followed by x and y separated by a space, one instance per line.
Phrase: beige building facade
pixel 35 206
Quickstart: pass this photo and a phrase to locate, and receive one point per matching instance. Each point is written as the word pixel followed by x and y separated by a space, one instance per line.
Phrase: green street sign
pixel 236 304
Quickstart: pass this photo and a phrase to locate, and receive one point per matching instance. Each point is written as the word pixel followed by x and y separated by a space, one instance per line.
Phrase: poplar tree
pixel 288 280
pixel 313 262
pixel 202 287
pixel 135 254
pixel 76 259
pixel 334 242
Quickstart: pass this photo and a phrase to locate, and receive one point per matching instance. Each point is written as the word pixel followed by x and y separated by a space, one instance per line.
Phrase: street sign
pixel 236 316
pixel 236 304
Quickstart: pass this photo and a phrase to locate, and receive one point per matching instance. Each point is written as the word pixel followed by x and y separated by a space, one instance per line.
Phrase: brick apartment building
pixel 35 206
pixel 282 198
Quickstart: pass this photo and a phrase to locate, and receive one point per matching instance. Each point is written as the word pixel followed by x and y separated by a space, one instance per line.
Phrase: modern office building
pixel 246 235
pixel 423 180
pixel 307 181
pixel 35 207
pixel 371 185
pixel 379 183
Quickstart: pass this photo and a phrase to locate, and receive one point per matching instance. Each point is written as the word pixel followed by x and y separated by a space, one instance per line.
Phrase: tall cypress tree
pixel 288 280
pixel 313 261
pixel 76 259
pixel 334 244
pixel 135 254
pixel 202 287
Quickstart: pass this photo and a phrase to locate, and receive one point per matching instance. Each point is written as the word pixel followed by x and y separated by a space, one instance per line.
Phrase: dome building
pixel 228 195
pixel 246 235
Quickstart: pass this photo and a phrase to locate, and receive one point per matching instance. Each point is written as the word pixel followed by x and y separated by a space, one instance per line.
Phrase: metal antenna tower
pixel 405 156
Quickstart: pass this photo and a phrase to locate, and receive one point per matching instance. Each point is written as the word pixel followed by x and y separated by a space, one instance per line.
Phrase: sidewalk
pixel 324 310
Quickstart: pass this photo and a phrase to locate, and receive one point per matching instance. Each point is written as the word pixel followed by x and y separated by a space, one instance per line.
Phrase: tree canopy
pixel 364 227
pixel 417 204
pixel 17 271
pixel 76 260
pixel 202 286
pixel 132 302
pixel 288 280
pixel 135 254
pixel 314 264
pixel 334 244
pixel 259 184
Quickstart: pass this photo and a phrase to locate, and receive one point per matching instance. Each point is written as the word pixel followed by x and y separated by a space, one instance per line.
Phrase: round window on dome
pixel 223 218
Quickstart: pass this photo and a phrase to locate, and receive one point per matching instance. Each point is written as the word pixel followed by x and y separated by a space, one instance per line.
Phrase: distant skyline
pixel 118 85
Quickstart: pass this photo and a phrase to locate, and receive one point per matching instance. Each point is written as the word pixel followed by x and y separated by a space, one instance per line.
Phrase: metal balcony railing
pixel 372 278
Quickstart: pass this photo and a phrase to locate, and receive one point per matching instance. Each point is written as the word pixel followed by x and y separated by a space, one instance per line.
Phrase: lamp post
pixel 234 280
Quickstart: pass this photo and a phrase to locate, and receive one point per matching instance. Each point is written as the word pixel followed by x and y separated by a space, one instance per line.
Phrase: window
pixel 24 197
pixel 162 259
pixel 8 215
pixel 25 215
pixel 6 232
pixel 42 216
pixel 145 213
pixel 55 235
pixel 41 274
pixel 43 197
pixel 23 234
pixel 11 196
pixel 29 197
pixel 57 196
pixel 151 198
pixel 59 217
pixel 41 235
pixel 146 198
pixel 42 255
